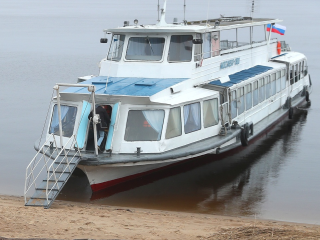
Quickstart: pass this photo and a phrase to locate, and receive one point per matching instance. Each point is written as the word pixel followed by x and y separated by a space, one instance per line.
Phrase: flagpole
pixel 269 53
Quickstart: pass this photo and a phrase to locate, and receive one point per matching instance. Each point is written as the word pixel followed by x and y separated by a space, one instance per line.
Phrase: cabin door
pixel 215 43
pixel 114 118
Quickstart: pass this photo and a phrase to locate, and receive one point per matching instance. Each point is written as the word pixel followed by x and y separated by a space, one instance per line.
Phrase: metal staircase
pixel 55 166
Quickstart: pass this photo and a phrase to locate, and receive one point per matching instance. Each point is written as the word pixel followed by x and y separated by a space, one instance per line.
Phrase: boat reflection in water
pixel 233 185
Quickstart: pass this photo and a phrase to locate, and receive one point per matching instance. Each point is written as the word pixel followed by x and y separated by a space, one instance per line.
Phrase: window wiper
pixel 150 45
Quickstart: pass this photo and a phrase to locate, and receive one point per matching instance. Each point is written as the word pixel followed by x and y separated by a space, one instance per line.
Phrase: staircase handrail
pixel 66 152
pixel 34 164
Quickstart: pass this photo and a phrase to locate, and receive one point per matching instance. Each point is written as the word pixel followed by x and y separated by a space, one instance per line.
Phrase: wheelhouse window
pixel 174 126
pixel 210 113
pixel 206 45
pixel 197 49
pixel 145 48
pixel 144 125
pixel 68 118
pixel 180 48
pixel 116 47
pixel 192 119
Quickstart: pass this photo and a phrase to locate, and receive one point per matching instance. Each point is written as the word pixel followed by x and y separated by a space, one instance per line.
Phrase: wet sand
pixel 70 220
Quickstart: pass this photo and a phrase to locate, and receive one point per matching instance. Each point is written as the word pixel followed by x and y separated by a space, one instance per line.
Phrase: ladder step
pixel 59 171
pixel 51 184
pixel 35 202
pixel 63 168
pixel 41 194
pixel 61 177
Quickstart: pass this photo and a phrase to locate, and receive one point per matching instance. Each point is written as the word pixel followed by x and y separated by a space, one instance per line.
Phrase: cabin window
pixel 145 48
pixel 233 104
pixel 174 126
pixel 262 93
pixel 300 71
pixel 241 103
pixel 210 113
pixel 278 81
pixel 68 118
pixel 192 119
pixel 255 93
pixel 292 75
pixel 144 125
pixel 116 47
pixel 296 73
pixel 206 45
pixel 197 49
pixel 180 48
pixel 268 87
pixel 283 79
pixel 273 84
pixel 248 96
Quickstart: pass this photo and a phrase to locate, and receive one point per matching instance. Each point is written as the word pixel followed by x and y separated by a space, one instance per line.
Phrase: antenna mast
pixel 158 11
pixel 184 11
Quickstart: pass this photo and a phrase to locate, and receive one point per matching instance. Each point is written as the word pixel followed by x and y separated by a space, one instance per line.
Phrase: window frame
pixel 169 61
pixel 164 50
pixel 203 117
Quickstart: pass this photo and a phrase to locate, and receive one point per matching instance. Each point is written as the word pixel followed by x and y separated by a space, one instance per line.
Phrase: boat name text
pixel 229 63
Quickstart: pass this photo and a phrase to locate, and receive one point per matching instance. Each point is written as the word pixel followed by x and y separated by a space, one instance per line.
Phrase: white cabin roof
pixel 194 26
pixel 289 57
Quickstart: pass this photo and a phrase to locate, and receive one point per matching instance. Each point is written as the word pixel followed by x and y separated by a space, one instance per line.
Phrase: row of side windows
pixel 146 125
pixel 298 71
pixel 244 98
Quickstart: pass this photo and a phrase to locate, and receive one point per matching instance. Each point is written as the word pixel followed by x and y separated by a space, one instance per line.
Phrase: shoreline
pixel 73 220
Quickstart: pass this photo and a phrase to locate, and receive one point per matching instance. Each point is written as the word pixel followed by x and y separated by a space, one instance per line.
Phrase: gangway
pixel 55 166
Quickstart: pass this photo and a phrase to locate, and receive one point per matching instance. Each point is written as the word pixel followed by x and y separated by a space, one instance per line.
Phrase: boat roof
pixel 289 57
pixel 246 74
pixel 196 26
pixel 126 86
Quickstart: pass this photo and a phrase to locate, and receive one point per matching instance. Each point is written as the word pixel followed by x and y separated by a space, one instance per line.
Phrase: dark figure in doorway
pixel 105 121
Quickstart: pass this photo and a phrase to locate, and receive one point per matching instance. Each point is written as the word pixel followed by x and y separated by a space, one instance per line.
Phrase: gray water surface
pixel 45 42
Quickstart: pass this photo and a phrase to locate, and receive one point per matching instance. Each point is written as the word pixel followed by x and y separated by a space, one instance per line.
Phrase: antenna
pixel 184 11
pixel 158 11
pixel 252 9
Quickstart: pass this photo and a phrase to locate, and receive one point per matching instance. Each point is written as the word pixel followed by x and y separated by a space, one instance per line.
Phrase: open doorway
pixel 90 139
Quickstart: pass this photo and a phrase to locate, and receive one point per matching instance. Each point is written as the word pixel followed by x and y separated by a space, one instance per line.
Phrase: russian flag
pixel 276 28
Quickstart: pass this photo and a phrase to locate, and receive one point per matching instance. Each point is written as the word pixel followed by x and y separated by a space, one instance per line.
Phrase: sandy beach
pixel 69 220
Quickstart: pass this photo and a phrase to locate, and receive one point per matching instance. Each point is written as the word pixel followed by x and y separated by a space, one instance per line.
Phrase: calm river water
pixel 44 42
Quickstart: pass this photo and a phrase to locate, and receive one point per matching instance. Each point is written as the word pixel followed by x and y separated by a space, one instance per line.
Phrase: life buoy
pixel 290 113
pixel 279 48
pixel 307 96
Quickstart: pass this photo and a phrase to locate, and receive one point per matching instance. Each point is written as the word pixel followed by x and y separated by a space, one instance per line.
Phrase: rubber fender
pixel 244 134
pixel 290 113
pixel 307 96
pixel 251 128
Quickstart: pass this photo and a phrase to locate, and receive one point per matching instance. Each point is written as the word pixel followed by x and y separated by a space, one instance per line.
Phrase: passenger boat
pixel 174 91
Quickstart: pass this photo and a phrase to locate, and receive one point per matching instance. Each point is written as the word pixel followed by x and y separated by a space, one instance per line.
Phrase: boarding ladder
pixel 55 166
